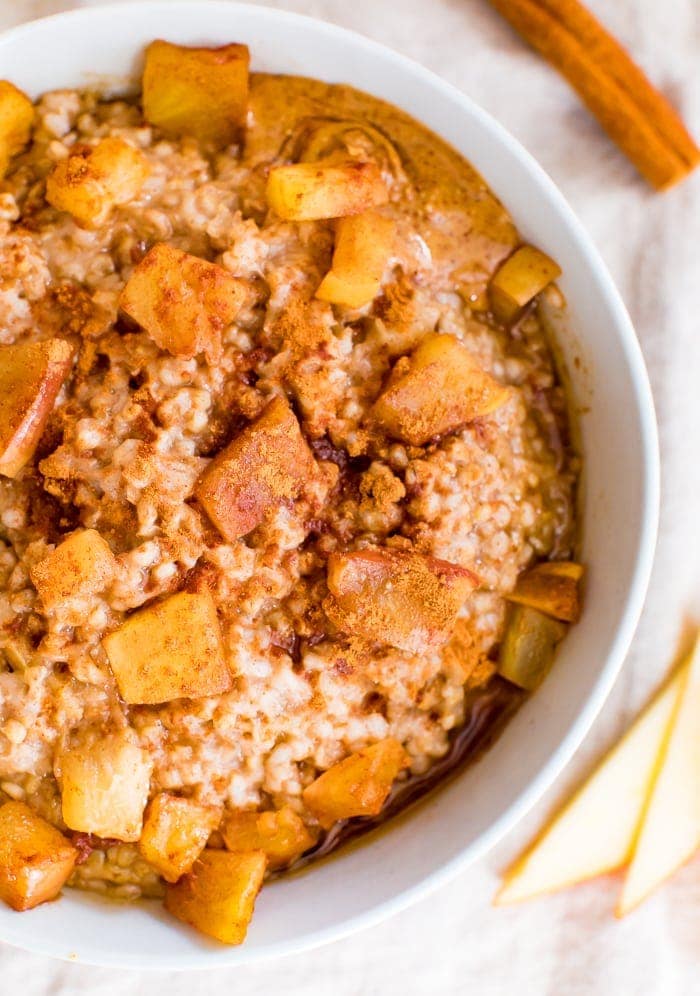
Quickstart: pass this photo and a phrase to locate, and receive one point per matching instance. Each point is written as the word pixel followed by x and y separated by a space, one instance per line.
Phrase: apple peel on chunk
pixel 31 375
pixel 406 599
pixel 669 832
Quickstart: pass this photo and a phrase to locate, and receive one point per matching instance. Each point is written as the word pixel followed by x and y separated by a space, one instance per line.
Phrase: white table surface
pixel 566 945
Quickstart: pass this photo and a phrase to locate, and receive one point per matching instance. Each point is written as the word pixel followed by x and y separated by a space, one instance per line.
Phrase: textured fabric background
pixel 567 945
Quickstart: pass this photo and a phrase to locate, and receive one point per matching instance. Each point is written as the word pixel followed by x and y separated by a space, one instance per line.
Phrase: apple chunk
pixel 266 464
pixel 169 650
pixel 94 179
pixel 183 302
pixel 358 785
pixel 31 375
pixel 218 896
pixel 175 832
pixel 529 645
pixel 552 588
pixel 523 275
pixel 436 390
pixel 35 858
pixel 363 245
pixel 314 191
pixel 281 834
pixel 196 91
pixel 81 565
pixel 670 831
pixel 406 599
pixel 595 831
pixel 104 787
pixel 16 119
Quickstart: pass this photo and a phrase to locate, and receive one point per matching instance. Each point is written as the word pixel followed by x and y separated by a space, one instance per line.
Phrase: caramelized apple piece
pixel 436 390
pixel 363 245
pixel 358 785
pixel 183 302
pixel 197 91
pixel 402 598
pixel 31 375
pixel 81 565
pixel 312 191
pixel 266 464
pixel 218 896
pixel 552 588
pixel 35 859
pixel 170 650
pixel 175 832
pixel 104 787
pixel 523 275
pixel 281 834
pixel 96 178
pixel 529 645
pixel 16 118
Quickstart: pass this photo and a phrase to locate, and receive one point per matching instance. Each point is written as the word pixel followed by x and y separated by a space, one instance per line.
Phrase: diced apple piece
pixel 595 831
pixel 93 179
pixel 358 785
pixel 104 787
pixel 35 858
pixel 313 191
pixel 175 832
pixel 670 830
pixel 551 588
pixel 182 301
pixel 281 834
pixel 197 91
pixel 218 896
pixel 16 118
pixel 528 647
pixel 523 275
pixel 436 390
pixel 363 245
pixel 266 464
pixel 170 650
pixel 406 599
pixel 31 375
pixel 81 565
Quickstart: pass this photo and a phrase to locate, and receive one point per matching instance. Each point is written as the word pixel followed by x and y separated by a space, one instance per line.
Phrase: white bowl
pixel 462 820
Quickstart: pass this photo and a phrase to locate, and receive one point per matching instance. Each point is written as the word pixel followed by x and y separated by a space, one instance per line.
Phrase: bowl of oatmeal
pixel 314 484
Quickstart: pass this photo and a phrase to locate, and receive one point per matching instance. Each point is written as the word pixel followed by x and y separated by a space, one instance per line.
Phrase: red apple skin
pixel 31 375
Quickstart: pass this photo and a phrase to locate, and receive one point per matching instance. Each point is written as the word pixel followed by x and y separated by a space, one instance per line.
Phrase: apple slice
pixel 670 829
pixel 595 831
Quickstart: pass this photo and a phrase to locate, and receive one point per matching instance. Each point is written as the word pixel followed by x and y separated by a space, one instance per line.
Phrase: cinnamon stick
pixel 632 111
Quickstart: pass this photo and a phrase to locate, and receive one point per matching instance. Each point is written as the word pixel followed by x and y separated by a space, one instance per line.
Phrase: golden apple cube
pixel 529 645
pixel 31 375
pixel 218 896
pixel 175 832
pixel 406 599
pixel 281 834
pixel 266 464
pixel 183 302
pixel 94 179
pixel 523 275
pixel 358 785
pixel 363 245
pixel 169 650
pixel 35 858
pixel 552 588
pixel 16 119
pixel 436 390
pixel 81 565
pixel 314 191
pixel 104 787
pixel 197 91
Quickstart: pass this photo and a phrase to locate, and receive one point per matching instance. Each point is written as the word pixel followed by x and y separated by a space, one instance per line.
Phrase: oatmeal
pixel 286 474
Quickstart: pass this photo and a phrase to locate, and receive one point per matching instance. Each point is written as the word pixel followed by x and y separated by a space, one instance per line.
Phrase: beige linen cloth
pixel 569 944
